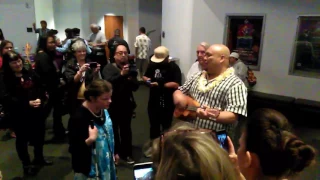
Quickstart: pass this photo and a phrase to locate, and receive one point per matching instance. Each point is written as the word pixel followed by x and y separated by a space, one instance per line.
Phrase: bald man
pixel 97 39
pixel 221 94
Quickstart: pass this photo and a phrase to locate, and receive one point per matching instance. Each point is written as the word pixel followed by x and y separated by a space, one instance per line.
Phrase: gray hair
pixel 94 26
pixel 205 45
pixel 78 45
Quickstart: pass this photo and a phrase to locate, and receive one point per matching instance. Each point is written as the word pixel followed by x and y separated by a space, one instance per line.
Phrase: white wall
pixel 208 21
pixel 15 17
pixel 150 17
pixel 177 25
pixel 71 14
pixel 44 11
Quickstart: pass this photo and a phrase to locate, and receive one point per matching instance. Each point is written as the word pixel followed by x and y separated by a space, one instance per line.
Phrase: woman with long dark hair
pixel 48 65
pixel 5 46
pixel 1 36
pixel 23 99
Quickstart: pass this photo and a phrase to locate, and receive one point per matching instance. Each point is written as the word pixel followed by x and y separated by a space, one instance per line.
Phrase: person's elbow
pixel 177 94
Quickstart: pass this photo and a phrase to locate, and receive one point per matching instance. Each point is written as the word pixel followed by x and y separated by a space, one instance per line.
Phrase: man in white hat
pixel 240 69
pixel 163 77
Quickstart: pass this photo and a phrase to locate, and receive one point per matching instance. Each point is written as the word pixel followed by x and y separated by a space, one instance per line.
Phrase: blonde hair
pixel 205 45
pixel 192 155
pixel 78 45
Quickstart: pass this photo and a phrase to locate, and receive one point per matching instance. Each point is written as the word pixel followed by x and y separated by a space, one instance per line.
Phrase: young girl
pixel 91 135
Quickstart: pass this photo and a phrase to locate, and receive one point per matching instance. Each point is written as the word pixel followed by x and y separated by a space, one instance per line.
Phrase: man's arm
pixel 236 105
pixel 89 51
pixel 65 47
pixel 176 81
pixel 180 94
pixel 35 29
pixel 111 74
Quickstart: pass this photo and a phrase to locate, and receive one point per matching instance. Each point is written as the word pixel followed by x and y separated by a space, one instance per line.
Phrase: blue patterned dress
pixel 105 151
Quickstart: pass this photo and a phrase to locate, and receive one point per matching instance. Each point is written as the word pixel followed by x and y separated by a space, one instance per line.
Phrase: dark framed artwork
pixel 244 34
pixel 305 59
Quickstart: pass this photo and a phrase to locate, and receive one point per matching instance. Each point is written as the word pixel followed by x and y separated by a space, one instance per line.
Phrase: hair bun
pixel 300 155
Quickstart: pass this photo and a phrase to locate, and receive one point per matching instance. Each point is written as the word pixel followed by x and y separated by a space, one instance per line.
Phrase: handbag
pixel 82 88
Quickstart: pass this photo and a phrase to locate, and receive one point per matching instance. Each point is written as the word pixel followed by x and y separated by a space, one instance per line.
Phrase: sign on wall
pixel 306 47
pixel 244 35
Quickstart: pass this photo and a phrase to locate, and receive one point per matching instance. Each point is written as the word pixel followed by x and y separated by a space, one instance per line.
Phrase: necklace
pixel 100 116
pixel 204 86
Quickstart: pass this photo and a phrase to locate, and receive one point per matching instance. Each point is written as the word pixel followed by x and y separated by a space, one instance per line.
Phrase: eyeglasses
pixel 122 53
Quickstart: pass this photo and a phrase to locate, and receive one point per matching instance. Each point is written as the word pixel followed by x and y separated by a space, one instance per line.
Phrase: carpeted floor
pixel 61 170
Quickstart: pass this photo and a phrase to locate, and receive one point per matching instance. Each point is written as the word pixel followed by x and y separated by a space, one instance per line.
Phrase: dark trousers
pixel 30 129
pixel 160 120
pixel 121 119
pixel 55 103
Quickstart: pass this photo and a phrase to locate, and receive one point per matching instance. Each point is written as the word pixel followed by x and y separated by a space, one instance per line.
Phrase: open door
pixel 111 23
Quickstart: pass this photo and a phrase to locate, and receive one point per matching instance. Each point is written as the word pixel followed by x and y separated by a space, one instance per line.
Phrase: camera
pixel 143 171
pixel 132 69
pixel 93 65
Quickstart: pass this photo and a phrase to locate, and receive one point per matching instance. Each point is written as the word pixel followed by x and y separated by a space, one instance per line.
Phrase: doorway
pixel 111 23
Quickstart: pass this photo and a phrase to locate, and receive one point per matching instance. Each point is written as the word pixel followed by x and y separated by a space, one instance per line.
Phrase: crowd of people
pixel 97 93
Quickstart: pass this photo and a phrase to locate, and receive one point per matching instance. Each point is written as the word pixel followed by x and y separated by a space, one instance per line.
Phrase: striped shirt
pixel 229 95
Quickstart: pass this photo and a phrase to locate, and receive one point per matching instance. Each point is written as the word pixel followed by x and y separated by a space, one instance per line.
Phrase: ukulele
pixel 190 111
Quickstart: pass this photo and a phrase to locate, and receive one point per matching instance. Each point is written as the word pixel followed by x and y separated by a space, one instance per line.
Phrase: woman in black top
pixel 23 101
pixel 79 73
pixel 48 65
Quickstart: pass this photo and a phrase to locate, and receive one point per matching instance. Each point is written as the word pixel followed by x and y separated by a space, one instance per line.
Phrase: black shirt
pixel 162 73
pixel 122 87
pixel 19 91
pixel 78 133
pixel 50 75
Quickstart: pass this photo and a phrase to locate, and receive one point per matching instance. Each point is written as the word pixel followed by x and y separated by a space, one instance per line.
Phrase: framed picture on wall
pixel 244 34
pixel 305 59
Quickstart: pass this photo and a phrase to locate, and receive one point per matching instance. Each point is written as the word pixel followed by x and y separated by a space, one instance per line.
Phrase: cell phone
pixel 93 65
pixel 143 171
pixel 222 139
pixel 148 81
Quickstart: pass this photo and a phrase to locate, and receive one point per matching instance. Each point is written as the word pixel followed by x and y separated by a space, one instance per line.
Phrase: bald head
pixel 94 28
pixel 220 49
pixel 217 58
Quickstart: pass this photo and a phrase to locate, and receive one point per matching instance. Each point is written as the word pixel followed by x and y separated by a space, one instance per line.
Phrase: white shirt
pixel 241 70
pixel 99 37
pixel 195 68
pixel 143 43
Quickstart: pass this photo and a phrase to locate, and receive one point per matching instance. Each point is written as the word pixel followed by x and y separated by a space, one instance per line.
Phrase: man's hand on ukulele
pixel 206 112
